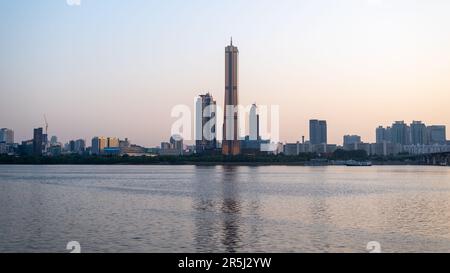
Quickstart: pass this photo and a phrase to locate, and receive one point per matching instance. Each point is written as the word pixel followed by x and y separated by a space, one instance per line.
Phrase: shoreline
pixel 306 160
pixel 244 164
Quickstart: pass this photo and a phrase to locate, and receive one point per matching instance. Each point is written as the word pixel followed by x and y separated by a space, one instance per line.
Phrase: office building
pixel 254 123
pixel 112 142
pixel 98 145
pixel 3 148
pixel 53 140
pixel 318 132
pixel 173 148
pixel 206 141
pixel 38 141
pixel 27 148
pixel 55 149
pixel 79 146
pixel 7 136
pixel 124 143
pixel 231 143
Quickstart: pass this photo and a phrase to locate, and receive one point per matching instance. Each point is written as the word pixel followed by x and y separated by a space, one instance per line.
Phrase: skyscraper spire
pixel 231 42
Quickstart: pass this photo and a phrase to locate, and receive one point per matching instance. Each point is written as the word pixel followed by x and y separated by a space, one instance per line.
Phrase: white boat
pixel 354 163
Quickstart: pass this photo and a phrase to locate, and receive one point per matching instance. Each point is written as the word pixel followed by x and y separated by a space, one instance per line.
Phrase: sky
pixel 117 68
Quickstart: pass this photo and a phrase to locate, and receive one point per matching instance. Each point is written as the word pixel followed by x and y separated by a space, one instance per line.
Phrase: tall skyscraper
pixel 206 140
pixel 318 132
pixel 254 123
pixel 7 136
pixel 231 143
pixel 38 141
pixel 418 133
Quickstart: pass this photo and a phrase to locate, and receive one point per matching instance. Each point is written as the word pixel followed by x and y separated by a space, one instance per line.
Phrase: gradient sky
pixel 116 68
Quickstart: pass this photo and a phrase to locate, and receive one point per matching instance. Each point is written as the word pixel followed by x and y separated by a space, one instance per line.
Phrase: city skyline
pixel 392 66
pixel 401 133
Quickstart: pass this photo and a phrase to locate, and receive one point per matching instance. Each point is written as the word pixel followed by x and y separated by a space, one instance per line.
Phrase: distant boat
pixel 354 163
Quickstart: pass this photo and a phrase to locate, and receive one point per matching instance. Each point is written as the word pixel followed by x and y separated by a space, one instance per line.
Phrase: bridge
pixel 440 159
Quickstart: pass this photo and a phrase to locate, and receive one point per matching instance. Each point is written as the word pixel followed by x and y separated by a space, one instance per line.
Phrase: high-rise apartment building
pixel 418 133
pixel 401 133
pixel 436 134
pixel 352 139
pixel 381 134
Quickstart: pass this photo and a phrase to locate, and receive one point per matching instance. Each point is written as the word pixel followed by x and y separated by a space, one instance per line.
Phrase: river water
pixel 224 208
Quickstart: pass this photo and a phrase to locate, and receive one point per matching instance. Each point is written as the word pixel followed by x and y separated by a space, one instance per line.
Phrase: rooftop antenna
pixel 231 43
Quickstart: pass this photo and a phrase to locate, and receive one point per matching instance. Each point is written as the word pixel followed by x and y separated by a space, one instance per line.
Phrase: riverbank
pixel 218 160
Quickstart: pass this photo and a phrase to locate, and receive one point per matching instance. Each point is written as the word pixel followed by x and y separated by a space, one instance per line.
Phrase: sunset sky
pixel 116 68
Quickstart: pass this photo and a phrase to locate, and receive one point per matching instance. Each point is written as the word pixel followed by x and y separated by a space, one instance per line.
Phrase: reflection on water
pixel 217 216
pixel 224 208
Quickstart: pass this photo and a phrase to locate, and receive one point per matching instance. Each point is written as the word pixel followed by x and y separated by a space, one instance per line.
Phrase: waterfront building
pixel 26 148
pixel 133 150
pixel 401 133
pixel 231 143
pixel 124 143
pixel 252 147
pixel 418 133
pixel 7 136
pixel 53 140
pixel 111 151
pixel 254 123
pixel 112 142
pixel 173 148
pixel 3 148
pixel 383 134
pixel 385 148
pixel 318 132
pixel 291 149
pixel 436 134
pixel 55 149
pixel 352 139
pixel 98 145
pixel 79 146
pixel 206 141
pixel 38 142
pixel 324 148
pixel 165 145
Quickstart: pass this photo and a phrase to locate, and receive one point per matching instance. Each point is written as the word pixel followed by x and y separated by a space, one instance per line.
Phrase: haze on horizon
pixel 116 68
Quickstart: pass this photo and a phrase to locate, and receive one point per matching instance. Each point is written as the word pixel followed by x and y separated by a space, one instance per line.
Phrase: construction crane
pixel 46 124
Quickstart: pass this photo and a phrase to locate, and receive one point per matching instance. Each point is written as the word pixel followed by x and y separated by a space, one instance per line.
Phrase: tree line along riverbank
pixel 335 158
